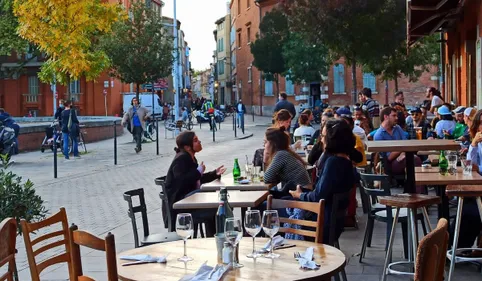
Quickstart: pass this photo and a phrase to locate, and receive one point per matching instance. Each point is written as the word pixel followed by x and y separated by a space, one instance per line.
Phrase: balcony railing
pixel 32 98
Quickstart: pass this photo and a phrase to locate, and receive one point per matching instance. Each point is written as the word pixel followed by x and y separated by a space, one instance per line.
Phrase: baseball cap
pixel 470 112
pixel 415 110
pixel 459 109
pixel 443 110
pixel 343 111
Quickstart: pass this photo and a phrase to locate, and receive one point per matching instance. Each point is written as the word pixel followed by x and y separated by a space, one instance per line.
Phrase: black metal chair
pixel 338 214
pixel 147 239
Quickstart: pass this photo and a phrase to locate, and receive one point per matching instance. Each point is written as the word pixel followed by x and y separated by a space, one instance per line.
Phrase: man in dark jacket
pixel 70 130
pixel 240 109
pixel 285 104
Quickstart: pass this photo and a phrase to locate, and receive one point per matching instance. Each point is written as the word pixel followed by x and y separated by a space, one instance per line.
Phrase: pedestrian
pixel 208 108
pixel 136 116
pixel 58 112
pixel 283 103
pixel 70 129
pixel 370 105
pixel 8 121
pixel 240 109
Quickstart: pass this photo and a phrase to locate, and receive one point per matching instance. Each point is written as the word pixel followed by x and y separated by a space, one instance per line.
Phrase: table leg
pixel 456 236
pixel 443 207
pixel 410 168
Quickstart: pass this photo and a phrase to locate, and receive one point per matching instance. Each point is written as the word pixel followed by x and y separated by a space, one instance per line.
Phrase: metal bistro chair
pixel 147 239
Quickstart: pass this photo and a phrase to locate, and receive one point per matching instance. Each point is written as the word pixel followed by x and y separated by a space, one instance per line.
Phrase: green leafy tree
pixel 267 50
pixel 9 39
pixel 139 48
pixel 358 30
pixel 306 60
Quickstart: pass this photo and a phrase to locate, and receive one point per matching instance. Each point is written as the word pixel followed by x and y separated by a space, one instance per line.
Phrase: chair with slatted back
pixel 27 228
pixel 317 208
pixel 81 238
pixel 8 236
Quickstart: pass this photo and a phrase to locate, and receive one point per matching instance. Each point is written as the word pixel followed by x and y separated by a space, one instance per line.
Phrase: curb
pixel 245 136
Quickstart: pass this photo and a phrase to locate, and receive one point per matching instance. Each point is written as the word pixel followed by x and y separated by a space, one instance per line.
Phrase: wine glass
pixel 271 227
pixel 233 230
pixel 252 225
pixel 184 225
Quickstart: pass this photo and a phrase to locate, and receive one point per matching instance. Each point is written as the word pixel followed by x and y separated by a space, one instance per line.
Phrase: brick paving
pixel 91 191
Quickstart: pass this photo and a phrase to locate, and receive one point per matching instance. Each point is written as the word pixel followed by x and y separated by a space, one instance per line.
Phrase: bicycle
pixel 80 142
pixel 151 130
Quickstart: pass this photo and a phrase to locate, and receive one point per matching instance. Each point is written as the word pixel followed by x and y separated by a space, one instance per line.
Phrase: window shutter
pixel 339 78
pixel 268 86
pixel 369 81
pixel 290 87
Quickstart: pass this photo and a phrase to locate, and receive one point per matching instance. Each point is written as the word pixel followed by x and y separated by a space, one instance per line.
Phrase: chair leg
pixel 370 232
pixel 201 230
pixel 343 275
pixel 195 230
pixel 365 241
pixel 424 227
pixel 337 277
pixel 405 239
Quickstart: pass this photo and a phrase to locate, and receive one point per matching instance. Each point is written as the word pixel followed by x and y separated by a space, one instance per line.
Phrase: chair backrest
pixel 8 237
pixel 81 238
pixel 141 208
pixel 337 214
pixel 431 254
pixel 166 207
pixel 317 208
pixel 27 228
pixel 367 181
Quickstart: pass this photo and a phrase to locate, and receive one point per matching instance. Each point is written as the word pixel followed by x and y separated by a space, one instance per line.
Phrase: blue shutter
pixel 268 88
pixel 290 87
pixel 339 78
pixel 369 81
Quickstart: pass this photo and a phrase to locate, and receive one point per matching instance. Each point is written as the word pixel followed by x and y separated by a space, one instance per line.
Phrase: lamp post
pixel 175 68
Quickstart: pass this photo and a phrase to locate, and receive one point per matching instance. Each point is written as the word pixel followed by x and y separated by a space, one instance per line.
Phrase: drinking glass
pixel 233 230
pixel 257 172
pixel 252 225
pixel 271 227
pixel 184 225
pixel 452 159
pixel 466 165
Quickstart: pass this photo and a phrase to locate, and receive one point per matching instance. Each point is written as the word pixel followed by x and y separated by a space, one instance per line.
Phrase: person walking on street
pixel 58 112
pixel 240 109
pixel 136 116
pixel 208 108
pixel 283 103
pixel 70 130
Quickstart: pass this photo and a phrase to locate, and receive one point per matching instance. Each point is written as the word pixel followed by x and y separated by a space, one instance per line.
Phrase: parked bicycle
pixel 151 128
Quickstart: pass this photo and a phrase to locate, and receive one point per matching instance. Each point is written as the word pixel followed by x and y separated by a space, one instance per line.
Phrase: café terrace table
pixel 431 176
pixel 410 147
pixel 228 182
pixel 210 200
pixel 285 267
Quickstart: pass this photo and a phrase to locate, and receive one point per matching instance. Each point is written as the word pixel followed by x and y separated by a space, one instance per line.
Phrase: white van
pixel 145 100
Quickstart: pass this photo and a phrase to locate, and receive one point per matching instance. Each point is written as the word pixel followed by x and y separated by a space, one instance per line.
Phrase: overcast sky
pixel 197 19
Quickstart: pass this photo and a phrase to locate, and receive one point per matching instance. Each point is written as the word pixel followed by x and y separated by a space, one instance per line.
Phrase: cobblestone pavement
pixel 91 190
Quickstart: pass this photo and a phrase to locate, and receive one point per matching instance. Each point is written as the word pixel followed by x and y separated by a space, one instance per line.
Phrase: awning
pixel 424 17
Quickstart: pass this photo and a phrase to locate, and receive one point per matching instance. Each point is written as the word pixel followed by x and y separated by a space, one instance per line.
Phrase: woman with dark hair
pixel 305 128
pixel 185 176
pixel 282 118
pixel 70 130
pixel 338 175
pixel 436 98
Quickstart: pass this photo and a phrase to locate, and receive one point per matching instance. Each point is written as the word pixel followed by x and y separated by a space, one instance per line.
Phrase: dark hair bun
pixel 282 128
pixel 177 150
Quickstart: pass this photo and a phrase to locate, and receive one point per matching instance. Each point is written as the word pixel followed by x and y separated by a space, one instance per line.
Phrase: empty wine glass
pixel 184 225
pixel 233 230
pixel 271 227
pixel 252 224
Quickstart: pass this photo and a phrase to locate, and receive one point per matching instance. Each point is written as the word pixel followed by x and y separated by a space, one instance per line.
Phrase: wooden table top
pixel 208 200
pixel 411 145
pixel 228 182
pixel 438 179
pixel 285 267
pixel 409 200
pixel 464 190
pixel 432 170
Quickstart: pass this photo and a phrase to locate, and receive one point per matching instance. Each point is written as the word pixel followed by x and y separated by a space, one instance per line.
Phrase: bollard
pixel 252 112
pixel 55 155
pixel 242 123
pixel 213 123
pixel 219 125
pixel 235 126
pixel 115 144
pixel 157 135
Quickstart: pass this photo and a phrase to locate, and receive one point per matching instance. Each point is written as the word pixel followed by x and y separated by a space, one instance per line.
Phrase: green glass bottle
pixel 443 163
pixel 236 170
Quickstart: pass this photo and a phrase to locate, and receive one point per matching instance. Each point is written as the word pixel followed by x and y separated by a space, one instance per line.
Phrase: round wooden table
pixel 285 267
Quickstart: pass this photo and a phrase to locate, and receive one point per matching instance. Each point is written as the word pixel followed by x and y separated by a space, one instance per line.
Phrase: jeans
pixel 241 120
pixel 137 133
pixel 75 144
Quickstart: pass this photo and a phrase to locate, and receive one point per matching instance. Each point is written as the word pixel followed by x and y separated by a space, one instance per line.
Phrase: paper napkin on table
pixel 146 258
pixel 278 240
pixel 306 259
pixel 205 271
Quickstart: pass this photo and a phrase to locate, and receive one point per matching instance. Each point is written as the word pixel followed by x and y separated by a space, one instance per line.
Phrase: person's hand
pixel 296 193
pixel 430 138
pixel 298 144
pixel 220 170
pixel 202 168
pixel 477 139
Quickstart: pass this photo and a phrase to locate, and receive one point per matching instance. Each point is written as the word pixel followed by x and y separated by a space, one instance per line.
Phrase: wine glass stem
pixel 234 256
pixel 272 245
pixel 253 247
pixel 185 252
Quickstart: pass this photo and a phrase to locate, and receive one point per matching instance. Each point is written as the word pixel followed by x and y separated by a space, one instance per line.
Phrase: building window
pixel 33 85
pixel 232 35
pixel 339 79
pixel 239 7
pixel 75 87
pixel 221 67
pixel 250 74
pixel 290 87
pixel 248 3
pixel 239 39
pixel 369 81
pixel 268 88
pixel 249 34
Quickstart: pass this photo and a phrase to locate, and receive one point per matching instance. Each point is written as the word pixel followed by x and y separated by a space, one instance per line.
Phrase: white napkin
pixel 205 271
pixel 278 240
pixel 306 260
pixel 145 258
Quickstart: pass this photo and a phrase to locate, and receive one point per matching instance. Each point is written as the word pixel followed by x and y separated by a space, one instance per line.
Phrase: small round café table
pixel 203 250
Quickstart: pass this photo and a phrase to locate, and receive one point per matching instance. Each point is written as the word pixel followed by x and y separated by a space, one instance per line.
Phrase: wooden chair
pixel 27 228
pixel 317 208
pixel 431 252
pixel 8 236
pixel 81 238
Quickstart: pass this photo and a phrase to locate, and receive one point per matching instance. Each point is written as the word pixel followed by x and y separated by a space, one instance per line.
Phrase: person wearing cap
pixel 469 115
pixel 461 128
pixel 417 120
pixel 357 130
pixel 446 126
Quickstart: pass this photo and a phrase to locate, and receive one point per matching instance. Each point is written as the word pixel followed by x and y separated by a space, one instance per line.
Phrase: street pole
pixel 175 68
pixel 115 143
pixel 54 92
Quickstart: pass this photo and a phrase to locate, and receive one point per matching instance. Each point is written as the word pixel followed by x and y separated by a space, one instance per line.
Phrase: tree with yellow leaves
pixel 68 32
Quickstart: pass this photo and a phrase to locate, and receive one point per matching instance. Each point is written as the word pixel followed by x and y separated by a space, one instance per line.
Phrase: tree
pixel 267 50
pixel 68 32
pixel 9 39
pixel 306 60
pixel 139 48
pixel 358 30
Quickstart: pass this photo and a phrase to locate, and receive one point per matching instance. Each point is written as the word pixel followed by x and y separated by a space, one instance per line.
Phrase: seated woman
pixel 185 176
pixel 305 129
pixel 282 118
pixel 337 176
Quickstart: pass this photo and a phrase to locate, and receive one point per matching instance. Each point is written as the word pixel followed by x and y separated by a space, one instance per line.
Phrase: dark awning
pixel 425 17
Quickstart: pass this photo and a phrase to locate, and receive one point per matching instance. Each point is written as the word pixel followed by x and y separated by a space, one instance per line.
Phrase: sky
pixel 197 19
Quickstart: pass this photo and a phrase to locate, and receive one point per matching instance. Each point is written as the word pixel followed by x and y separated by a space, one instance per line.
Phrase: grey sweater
pixel 286 167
